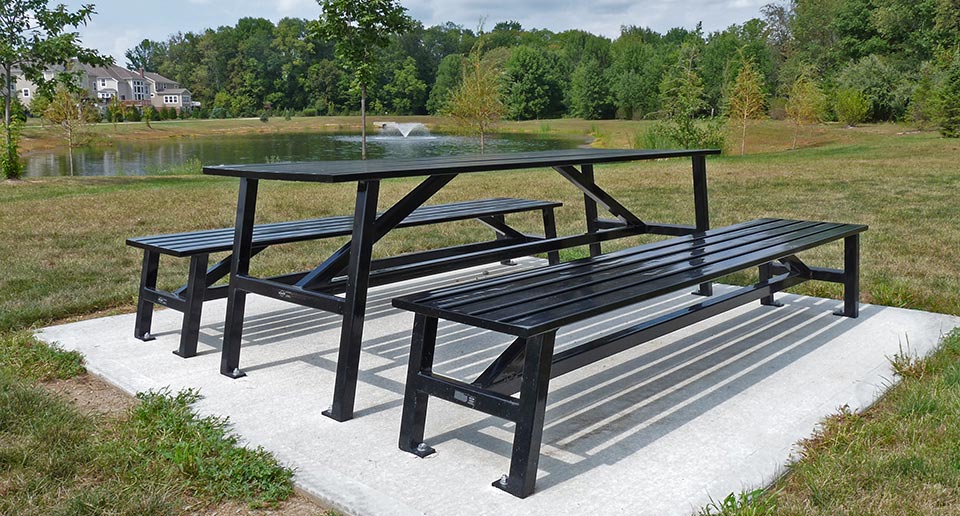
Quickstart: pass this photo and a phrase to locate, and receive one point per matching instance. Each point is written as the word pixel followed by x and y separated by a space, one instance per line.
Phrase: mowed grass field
pixel 64 254
pixel 63 257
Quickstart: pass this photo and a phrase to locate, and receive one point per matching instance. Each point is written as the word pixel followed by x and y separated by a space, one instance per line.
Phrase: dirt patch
pixel 296 505
pixel 92 395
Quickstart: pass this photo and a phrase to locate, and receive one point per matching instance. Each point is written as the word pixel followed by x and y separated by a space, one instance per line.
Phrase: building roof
pixel 120 73
pixel 155 77
pixel 174 91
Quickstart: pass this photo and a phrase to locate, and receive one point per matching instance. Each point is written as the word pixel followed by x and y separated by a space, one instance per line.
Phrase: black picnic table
pixel 316 288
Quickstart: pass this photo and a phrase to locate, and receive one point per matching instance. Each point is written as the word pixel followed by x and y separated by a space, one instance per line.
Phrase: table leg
pixel 355 301
pixel 240 265
pixel 590 210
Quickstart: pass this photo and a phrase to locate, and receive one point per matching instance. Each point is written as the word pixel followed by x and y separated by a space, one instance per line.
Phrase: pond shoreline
pixel 182 147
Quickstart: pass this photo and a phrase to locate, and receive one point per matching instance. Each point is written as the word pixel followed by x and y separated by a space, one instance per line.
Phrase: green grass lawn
pixel 64 257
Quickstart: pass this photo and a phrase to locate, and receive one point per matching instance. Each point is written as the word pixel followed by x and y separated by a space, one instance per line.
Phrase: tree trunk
pixel 71 159
pixel 363 121
pixel 743 136
pixel 7 101
pixel 796 131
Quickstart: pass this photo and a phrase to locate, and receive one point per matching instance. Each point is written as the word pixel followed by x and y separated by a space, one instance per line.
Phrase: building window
pixel 123 97
pixel 170 99
pixel 103 82
pixel 26 92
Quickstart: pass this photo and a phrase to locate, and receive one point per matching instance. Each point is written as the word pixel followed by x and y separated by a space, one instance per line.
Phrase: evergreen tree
pixel 949 100
pixel 682 97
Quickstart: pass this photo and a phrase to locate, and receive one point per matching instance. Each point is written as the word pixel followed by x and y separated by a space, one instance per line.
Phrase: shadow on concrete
pixel 592 420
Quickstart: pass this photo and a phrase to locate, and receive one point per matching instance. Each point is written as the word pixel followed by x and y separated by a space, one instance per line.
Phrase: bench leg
pixel 529 430
pixel 193 295
pixel 590 210
pixel 851 277
pixel 766 272
pixel 414 417
pixel 550 231
pixel 500 236
pixel 148 279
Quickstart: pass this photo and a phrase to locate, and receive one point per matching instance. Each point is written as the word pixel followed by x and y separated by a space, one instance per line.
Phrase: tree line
pixel 891 55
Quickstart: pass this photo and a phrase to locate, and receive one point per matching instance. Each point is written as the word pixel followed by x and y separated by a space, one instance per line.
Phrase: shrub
pixel 778 108
pixel 881 86
pixel 310 112
pixel 851 106
pixel 151 113
pixel 264 117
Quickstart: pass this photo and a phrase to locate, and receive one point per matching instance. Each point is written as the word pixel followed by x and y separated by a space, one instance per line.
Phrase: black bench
pixel 198 245
pixel 532 305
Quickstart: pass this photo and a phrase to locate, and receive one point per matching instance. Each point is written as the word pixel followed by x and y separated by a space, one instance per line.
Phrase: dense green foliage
pixel 894 52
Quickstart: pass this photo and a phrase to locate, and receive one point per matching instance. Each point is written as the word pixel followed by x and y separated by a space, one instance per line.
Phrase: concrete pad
pixel 711 409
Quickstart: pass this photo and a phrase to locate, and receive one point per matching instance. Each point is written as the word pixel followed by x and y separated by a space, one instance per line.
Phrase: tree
pixel 476 103
pixel 806 103
pixel 590 96
pixel 533 84
pixel 949 100
pixel 923 109
pixel 359 29
pixel 746 100
pixel 448 78
pixel 682 97
pixel 148 55
pixel 116 110
pixel 70 114
pixel 405 93
pixel 33 37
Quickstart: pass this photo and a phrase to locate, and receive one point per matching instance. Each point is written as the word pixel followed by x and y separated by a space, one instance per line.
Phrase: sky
pixel 119 26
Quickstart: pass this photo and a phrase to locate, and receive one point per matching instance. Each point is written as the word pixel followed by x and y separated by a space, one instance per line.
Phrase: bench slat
pixel 530 303
pixel 638 264
pixel 216 240
pixel 535 277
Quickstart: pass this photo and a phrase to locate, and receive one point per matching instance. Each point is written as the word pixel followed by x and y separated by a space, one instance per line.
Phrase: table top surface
pixel 375 169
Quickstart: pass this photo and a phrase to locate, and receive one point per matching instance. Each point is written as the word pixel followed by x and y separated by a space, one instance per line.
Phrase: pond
pixel 164 156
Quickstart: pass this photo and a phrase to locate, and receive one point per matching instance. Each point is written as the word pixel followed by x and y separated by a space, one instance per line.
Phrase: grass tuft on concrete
pixel 901 456
pixel 158 458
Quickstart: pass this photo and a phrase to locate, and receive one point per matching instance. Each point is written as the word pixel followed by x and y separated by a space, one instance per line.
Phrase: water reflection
pixel 154 157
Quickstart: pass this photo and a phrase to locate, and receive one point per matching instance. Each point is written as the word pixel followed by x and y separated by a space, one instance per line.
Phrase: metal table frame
pixel 314 289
